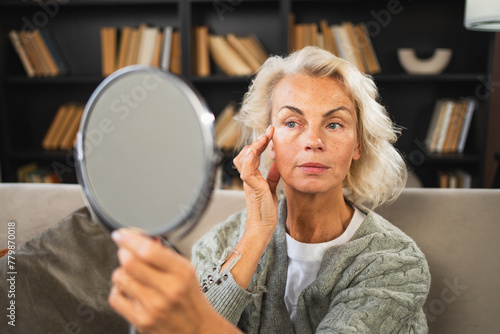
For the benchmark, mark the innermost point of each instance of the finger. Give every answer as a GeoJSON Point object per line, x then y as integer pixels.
{"type": "Point", "coordinates": [250, 173]}
{"type": "Point", "coordinates": [261, 143]}
{"type": "Point", "coordinates": [149, 250]}
{"type": "Point", "coordinates": [128, 285]}
{"type": "Point", "coordinates": [239, 157]}
{"type": "Point", "coordinates": [273, 177]}
{"type": "Point", "coordinates": [257, 146]}
{"type": "Point", "coordinates": [122, 304]}
{"type": "Point", "coordinates": [137, 269]}
{"type": "Point", "coordinates": [131, 309]}
{"type": "Point", "coordinates": [250, 160]}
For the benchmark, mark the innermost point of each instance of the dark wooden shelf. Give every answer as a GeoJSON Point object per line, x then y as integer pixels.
{"type": "Point", "coordinates": [452, 158]}
{"type": "Point", "coordinates": [40, 154]}
{"type": "Point", "coordinates": [221, 79]}
{"type": "Point", "coordinates": [71, 79]}
{"type": "Point", "coordinates": [28, 105]}
{"type": "Point", "coordinates": [20, 3]}
{"type": "Point", "coordinates": [445, 77]}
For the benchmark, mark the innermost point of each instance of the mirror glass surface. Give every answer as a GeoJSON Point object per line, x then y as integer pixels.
{"type": "Point", "coordinates": [145, 150]}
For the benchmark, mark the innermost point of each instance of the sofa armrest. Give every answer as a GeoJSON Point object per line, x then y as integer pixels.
{"type": "Point", "coordinates": [35, 207]}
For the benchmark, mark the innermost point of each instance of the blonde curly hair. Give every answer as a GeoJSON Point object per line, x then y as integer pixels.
{"type": "Point", "coordinates": [380, 174]}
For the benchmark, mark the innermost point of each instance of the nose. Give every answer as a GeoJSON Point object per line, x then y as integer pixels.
{"type": "Point", "coordinates": [313, 140]}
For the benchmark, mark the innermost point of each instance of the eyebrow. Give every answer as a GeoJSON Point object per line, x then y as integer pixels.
{"type": "Point", "coordinates": [325, 115]}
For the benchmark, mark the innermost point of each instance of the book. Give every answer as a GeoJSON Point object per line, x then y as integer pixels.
{"type": "Point", "coordinates": [291, 32]}
{"type": "Point", "coordinates": [449, 125]}
{"type": "Point", "coordinates": [464, 178]}
{"type": "Point", "coordinates": [346, 40]}
{"type": "Point", "coordinates": [166, 48]}
{"type": "Point", "coordinates": [228, 137]}
{"type": "Point", "coordinates": [451, 128]}
{"type": "Point", "coordinates": [356, 46]}
{"type": "Point", "coordinates": [108, 50]}
{"type": "Point", "coordinates": [69, 137]}
{"type": "Point", "coordinates": [54, 50]}
{"type": "Point", "coordinates": [64, 125]}
{"type": "Point", "coordinates": [34, 173]}
{"type": "Point", "coordinates": [464, 131]}
{"type": "Point", "coordinates": [33, 53]}
{"type": "Point", "coordinates": [48, 141]}
{"type": "Point", "coordinates": [256, 48]}
{"type": "Point", "coordinates": [147, 45]}
{"type": "Point", "coordinates": [124, 45]}
{"type": "Point", "coordinates": [227, 58]}
{"type": "Point", "coordinates": [341, 48]}
{"type": "Point", "coordinates": [312, 32]}
{"type": "Point", "coordinates": [369, 54]}
{"type": "Point", "coordinates": [442, 126]}
{"type": "Point", "coordinates": [47, 61]}
{"type": "Point", "coordinates": [22, 53]}
{"type": "Point", "coordinates": [133, 47]}
{"type": "Point", "coordinates": [224, 118]}
{"type": "Point", "coordinates": [62, 131]}
{"type": "Point", "coordinates": [297, 33]}
{"type": "Point", "coordinates": [329, 40]}
{"type": "Point", "coordinates": [155, 62]}
{"type": "Point", "coordinates": [24, 171]}
{"type": "Point", "coordinates": [320, 40]}
{"type": "Point", "coordinates": [458, 122]}
{"type": "Point", "coordinates": [201, 53]}
{"type": "Point", "coordinates": [429, 138]}
{"type": "Point", "coordinates": [226, 128]}
{"type": "Point", "coordinates": [175, 61]}
{"type": "Point", "coordinates": [244, 51]}
{"type": "Point", "coordinates": [454, 178]}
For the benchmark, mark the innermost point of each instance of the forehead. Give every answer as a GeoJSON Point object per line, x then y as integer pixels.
{"type": "Point", "coordinates": [305, 91]}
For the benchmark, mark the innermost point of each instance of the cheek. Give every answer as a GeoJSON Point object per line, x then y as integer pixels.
{"type": "Point", "coordinates": [283, 149]}
{"type": "Point", "coordinates": [282, 142]}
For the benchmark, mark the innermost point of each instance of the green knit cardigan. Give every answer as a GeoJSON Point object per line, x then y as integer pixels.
{"type": "Point", "coordinates": [375, 283]}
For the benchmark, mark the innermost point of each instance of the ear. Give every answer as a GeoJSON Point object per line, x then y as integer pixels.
{"type": "Point", "coordinates": [272, 151]}
{"type": "Point", "coordinates": [357, 151]}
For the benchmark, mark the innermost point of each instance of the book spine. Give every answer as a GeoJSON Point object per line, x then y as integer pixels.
{"type": "Point", "coordinates": [21, 52]}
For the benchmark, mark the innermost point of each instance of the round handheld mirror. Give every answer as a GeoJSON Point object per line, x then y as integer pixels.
{"type": "Point", "coordinates": [145, 153]}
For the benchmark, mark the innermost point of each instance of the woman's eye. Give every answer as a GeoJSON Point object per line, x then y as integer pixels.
{"type": "Point", "coordinates": [290, 124]}
{"type": "Point", "coordinates": [334, 126]}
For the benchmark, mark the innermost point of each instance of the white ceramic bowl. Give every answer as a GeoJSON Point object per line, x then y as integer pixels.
{"type": "Point", "coordinates": [428, 66]}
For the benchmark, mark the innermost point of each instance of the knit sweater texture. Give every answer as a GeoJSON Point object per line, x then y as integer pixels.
{"type": "Point", "coordinates": [375, 283]}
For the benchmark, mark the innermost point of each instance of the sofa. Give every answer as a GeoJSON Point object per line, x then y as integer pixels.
{"type": "Point", "coordinates": [457, 229]}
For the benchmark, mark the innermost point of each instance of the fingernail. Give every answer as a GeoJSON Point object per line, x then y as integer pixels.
{"type": "Point", "coordinates": [269, 129]}
{"type": "Point", "coordinates": [116, 235]}
{"type": "Point", "coordinates": [124, 234]}
{"type": "Point", "coordinates": [123, 255]}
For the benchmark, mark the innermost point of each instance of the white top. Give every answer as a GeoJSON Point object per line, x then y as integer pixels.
{"type": "Point", "coordinates": [304, 260]}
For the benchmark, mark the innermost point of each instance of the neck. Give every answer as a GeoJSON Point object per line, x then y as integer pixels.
{"type": "Point", "coordinates": [315, 218]}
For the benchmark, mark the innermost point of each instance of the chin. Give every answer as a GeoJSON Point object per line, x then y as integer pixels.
{"type": "Point", "coordinates": [310, 187]}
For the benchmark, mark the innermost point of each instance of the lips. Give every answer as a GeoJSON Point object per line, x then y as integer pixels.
{"type": "Point", "coordinates": [313, 168]}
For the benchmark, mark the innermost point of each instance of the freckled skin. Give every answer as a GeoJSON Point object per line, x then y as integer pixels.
{"type": "Point", "coordinates": [303, 134]}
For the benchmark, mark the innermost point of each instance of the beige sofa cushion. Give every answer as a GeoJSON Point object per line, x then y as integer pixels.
{"type": "Point", "coordinates": [458, 231]}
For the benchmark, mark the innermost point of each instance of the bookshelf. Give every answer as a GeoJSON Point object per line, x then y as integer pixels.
{"type": "Point", "coordinates": [28, 105]}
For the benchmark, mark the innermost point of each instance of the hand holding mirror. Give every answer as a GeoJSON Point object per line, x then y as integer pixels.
{"type": "Point", "coordinates": [145, 153]}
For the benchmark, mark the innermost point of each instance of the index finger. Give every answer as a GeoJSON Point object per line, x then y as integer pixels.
{"type": "Point", "coordinates": [148, 249]}
{"type": "Point", "coordinates": [260, 144]}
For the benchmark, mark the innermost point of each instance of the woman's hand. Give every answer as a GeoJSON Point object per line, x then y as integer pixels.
{"type": "Point", "coordinates": [262, 210]}
{"type": "Point", "coordinates": [157, 291]}
{"type": "Point", "coordinates": [260, 193]}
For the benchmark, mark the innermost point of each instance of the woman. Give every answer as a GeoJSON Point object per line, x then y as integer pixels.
{"type": "Point", "coordinates": [316, 261]}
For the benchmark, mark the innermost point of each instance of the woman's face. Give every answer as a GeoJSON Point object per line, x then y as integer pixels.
{"type": "Point", "coordinates": [315, 137]}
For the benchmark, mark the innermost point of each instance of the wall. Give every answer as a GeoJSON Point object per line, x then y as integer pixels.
{"type": "Point", "coordinates": [493, 143]}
